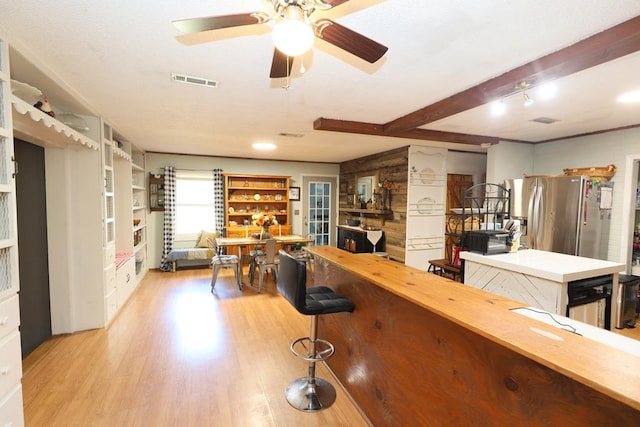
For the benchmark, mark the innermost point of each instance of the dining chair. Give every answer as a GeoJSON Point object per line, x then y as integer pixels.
{"type": "Point", "coordinates": [303, 254]}
{"type": "Point", "coordinates": [219, 261]}
{"type": "Point", "coordinates": [268, 261]}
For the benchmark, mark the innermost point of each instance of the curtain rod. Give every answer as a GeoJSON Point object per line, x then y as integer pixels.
{"type": "Point", "coordinates": [196, 170]}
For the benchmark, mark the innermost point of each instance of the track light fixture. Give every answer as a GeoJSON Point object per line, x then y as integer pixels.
{"type": "Point", "coordinates": [523, 86]}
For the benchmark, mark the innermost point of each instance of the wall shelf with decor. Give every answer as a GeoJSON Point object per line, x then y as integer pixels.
{"type": "Point", "coordinates": [246, 195]}
{"type": "Point", "coordinates": [156, 192]}
{"type": "Point", "coordinates": [378, 213]}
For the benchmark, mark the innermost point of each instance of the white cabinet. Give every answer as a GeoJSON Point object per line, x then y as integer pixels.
{"type": "Point", "coordinates": [10, 350]}
{"type": "Point", "coordinates": [89, 205]}
{"type": "Point", "coordinates": [130, 220]}
{"type": "Point", "coordinates": [139, 208]}
{"type": "Point", "coordinates": [125, 281]}
{"type": "Point", "coordinates": [426, 201]}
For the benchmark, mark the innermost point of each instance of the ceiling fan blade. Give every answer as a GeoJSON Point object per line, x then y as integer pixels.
{"type": "Point", "coordinates": [196, 25]}
{"type": "Point", "coordinates": [334, 3]}
{"type": "Point", "coordinates": [346, 39]}
{"type": "Point", "coordinates": [280, 65]}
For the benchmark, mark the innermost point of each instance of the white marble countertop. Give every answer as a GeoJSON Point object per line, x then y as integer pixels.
{"type": "Point", "coordinates": [547, 265]}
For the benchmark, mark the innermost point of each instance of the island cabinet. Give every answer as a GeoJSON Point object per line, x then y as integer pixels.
{"type": "Point", "coordinates": [420, 349]}
{"type": "Point", "coordinates": [354, 239]}
{"type": "Point", "coordinates": [547, 280]}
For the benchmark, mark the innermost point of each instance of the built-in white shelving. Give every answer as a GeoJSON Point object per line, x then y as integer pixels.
{"type": "Point", "coordinates": [11, 412]}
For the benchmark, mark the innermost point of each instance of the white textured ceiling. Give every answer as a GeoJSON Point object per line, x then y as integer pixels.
{"type": "Point", "coordinates": [119, 56]}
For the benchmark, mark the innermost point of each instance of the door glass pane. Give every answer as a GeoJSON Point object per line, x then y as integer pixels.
{"type": "Point", "coordinates": [319, 211]}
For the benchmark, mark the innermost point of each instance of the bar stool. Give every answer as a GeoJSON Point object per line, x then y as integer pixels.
{"type": "Point", "coordinates": [309, 394]}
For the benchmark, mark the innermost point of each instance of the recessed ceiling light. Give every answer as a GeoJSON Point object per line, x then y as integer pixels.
{"type": "Point", "coordinates": [498, 108]}
{"type": "Point", "coordinates": [264, 146]}
{"type": "Point", "coordinates": [629, 97]}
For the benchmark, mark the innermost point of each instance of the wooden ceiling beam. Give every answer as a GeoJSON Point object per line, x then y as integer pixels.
{"type": "Point", "coordinates": [421, 134]}
{"type": "Point", "coordinates": [617, 41]}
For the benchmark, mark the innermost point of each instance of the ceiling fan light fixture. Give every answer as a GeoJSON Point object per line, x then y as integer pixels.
{"type": "Point", "coordinates": [293, 35]}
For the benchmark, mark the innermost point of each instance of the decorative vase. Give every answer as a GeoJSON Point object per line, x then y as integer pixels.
{"type": "Point", "coordinates": [386, 198]}
{"type": "Point", "coordinates": [264, 233]}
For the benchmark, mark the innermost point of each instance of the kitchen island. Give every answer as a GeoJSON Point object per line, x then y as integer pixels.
{"type": "Point", "coordinates": [420, 349]}
{"type": "Point", "coordinates": [541, 279]}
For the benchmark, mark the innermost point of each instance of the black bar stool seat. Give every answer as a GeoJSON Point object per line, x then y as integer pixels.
{"type": "Point", "coordinates": [309, 394]}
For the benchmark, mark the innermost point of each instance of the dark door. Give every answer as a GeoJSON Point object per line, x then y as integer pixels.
{"type": "Point", "coordinates": [35, 309]}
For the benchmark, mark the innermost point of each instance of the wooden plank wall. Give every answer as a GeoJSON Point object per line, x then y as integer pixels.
{"type": "Point", "coordinates": [393, 165]}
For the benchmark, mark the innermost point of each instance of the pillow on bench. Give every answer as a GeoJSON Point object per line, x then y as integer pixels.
{"type": "Point", "coordinates": [202, 240]}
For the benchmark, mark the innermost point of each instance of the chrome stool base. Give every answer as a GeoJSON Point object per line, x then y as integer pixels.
{"type": "Point", "coordinates": [310, 395]}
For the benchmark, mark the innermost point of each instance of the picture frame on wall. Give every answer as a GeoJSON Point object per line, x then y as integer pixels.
{"type": "Point", "coordinates": [294, 193]}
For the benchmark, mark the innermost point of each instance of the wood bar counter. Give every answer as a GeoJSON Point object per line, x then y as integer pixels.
{"type": "Point", "coordinates": [420, 349]}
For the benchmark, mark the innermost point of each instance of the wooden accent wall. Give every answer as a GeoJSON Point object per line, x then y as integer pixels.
{"type": "Point", "coordinates": [393, 165]}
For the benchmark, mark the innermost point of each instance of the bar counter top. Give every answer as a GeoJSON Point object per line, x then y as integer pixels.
{"type": "Point", "coordinates": [600, 367]}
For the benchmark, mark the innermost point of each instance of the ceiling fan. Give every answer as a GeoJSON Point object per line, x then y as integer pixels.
{"type": "Point", "coordinates": [293, 32]}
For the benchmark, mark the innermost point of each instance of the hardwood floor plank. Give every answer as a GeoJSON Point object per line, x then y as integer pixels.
{"type": "Point", "coordinates": [178, 355]}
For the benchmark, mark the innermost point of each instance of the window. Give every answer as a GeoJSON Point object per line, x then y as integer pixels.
{"type": "Point", "coordinates": [194, 204]}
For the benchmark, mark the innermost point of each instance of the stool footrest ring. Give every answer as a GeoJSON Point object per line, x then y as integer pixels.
{"type": "Point", "coordinates": [324, 349]}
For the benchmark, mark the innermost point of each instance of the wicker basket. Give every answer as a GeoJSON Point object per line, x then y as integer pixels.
{"type": "Point", "coordinates": [454, 224]}
{"type": "Point", "coordinates": [603, 172]}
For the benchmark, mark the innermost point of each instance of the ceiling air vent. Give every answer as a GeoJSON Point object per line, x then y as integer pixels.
{"type": "Point", "coordinates": [291, 134]}
{"type": "Point", "coordinates": [545, 120]}
{"type": "Point", "coordinates": [198, 81]}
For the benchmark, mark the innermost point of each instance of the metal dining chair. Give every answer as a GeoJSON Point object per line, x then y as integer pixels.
{"type": "Point", "coordinates": [219, 261]}
{"type": "Point", "coordinates": [303, 254]}
{"type": "Point", "coordinates": [264, 263]}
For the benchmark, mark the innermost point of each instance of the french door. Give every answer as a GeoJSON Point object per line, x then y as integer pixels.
{"type": "Point", "coordinates": [318, 206]}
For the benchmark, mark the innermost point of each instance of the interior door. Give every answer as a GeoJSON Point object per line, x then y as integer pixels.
{"type": "Point", "coordinates": [318, 204]}
{"type": "Point", "coordinates": [35, 309]}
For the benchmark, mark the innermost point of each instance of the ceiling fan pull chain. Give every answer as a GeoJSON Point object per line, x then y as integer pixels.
{"type": "Point", "coordinates": [288, 86]}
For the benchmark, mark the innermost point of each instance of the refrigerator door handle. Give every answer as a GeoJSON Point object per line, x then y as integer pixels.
{"type": "Point", "coordinates": [531, 229]}
{"type": "Point", "coordinates": [539, 215]}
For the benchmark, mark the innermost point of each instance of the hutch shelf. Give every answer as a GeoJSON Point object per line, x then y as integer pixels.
{"type": "Point", "coordinates": [247, 195]}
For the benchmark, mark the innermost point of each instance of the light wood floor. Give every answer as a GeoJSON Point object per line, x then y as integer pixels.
{"type": "Point", "coordinates": [176, 355]}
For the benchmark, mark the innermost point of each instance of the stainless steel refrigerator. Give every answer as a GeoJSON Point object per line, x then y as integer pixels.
{"type": "Point", "coordinates": [564, 214]}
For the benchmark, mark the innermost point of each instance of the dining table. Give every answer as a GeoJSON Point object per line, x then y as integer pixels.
{"type": "Point", "coordinates": [242, 242]}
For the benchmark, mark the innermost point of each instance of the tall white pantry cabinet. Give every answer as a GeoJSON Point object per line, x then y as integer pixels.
{"type": "Point", "coordinates": [11, 412]}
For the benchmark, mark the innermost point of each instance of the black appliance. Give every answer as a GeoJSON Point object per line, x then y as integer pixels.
{"type": "Point", "coordinates": [586, 291]}
{"type": "Point", "coordinates": [627, 301]}
{"type": "Point", "coordinates": [487, 242]}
